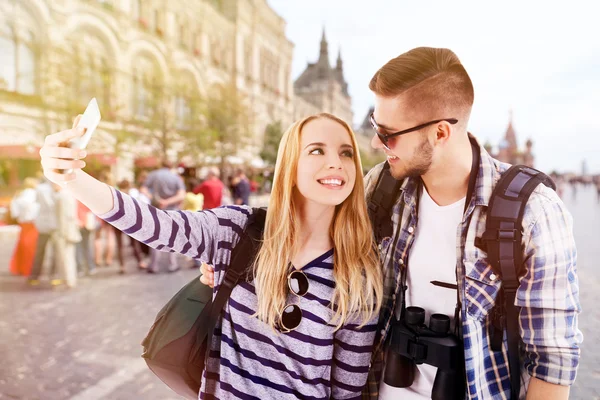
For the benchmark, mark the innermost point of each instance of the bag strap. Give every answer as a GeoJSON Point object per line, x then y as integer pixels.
{"type": "Point", "coordinates": [242, 256]}
{"type": "Point", "coordinates": [381, 202]}
{"type": "Point", "coordinates": [502, 242]}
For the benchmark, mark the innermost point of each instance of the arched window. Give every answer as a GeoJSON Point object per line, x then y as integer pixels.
{"type": "Point", "coordinates": [8, 49]}
{"type": "Point", "coordinates": [146, 89]}
{"type": "Point", "coordinates": [18, 69]}
{"type": "Point", "coordinates": [93, 76]}
{"type": "Point", "coordinates": [26, 64]}
{"type": "Point", "coordinates": [186, 100]}
{"type": "Point", "coordinates": [136, 8]}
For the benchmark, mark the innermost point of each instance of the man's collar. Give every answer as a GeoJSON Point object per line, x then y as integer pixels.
{"type": "Point", "coordinates": [488, 175]}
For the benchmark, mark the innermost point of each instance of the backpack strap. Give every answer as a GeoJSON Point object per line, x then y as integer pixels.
{"type": "Point", "coordinates": [242, 256]}
{"type": "Point", "coordinates": [381, 202]}
{"type": "Point", "coordinates": [502, 242]}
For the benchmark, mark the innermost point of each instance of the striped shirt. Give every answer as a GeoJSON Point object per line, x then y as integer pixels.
{"type": "Point", "coordinates": [548, 295]}
{"type": "Point", "coordinates": [248, 360]}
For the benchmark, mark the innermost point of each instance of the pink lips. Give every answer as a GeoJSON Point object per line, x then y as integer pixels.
{"type": "Point", "coordinates": [332, 187]}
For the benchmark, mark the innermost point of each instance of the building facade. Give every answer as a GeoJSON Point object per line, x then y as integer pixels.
{"type": "Point", "coordinates": [57, 54]}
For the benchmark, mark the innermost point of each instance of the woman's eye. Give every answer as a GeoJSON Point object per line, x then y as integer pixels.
{"type": "Point", "coordinates": [316, 151]}
{"type": "Point", "coordinates": [348, 153]}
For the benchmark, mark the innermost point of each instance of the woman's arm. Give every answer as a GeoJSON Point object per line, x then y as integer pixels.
{"type": "Point", "coordinates": [352, 349]}
{"type": "Point", "coordinates": [195, 234]}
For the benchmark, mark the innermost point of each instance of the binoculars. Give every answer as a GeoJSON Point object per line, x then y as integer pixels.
{"type": "Point", "coordinates": [413, 342]}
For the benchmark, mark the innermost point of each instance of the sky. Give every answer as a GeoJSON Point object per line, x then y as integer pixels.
{"type": "Point", "coordinates": [540, 59]}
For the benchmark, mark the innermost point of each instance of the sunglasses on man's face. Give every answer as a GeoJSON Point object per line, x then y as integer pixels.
{"type": "Point", "coordinates": [389, 140]}
{"type": "Point", "coordinates": [291, 315]}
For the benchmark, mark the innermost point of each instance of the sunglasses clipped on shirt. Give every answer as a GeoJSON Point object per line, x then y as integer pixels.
{"type": "Point", "coordinates": [291, 315]}
{"type": "Point", "coordinates": [389, 140]}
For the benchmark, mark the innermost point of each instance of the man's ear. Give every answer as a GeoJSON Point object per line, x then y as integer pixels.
{"type": "Point", "coordinates": [443, 132]}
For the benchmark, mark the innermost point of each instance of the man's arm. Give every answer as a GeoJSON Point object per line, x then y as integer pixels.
{"type": "Point", "coordinates": [541, 390]}
{"type": "Point", "coordinates": [548, 296]}
{"type": "Point", "coordinates": [178, 198]}
{"type": "Point", "coordinates": [149, 182]}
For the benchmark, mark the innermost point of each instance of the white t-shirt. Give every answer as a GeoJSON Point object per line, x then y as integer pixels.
{"type": "Point", "coordinates": [432, 258]}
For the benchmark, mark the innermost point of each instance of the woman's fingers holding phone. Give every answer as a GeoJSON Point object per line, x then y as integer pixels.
{"type": "Point", "coordinates": [59, 162]}
{"type": "Point", "coordinates": [62, 137]}
{"type": "Point", "coordinates": [61, 152]}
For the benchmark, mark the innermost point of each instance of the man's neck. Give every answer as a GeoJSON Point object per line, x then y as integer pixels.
{"type": "Point", "coordinates": [449, 181]}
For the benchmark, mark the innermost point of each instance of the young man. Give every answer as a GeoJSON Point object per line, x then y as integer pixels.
{"type": "Point", "coordinates": [435, 225]}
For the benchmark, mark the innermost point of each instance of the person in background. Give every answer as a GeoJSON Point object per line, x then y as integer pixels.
{"type": "Point", "coordinates": [241, 192]}
{"type": "Point", "coordinates": [166, 191]}
{"type": "Point", "coordinates": [46, 224]}
{"type": "Point", "coordinates": [192, 201]}
{"type": "Point", "coordinates": [88, 223]}
{"type": "Point", "coordinates": [212, 189]}
{"type": "Point", "coordinates": [66, 236]}
{"type": "Point", "coordinates": [104, 240]}
{"type": "Point", "coordinates": [24, 208]}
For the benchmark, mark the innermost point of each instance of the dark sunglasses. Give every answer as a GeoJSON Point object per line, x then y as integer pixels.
{"type": "Point", "coordinates": [291, 315]}
{"type": "Point", "coordinates": [389, 140]}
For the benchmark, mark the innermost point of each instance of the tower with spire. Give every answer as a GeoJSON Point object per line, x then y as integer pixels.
{"type": "Point", "coordinates": [322, 88]}
{"type": "Point", "coordinates": [508, 148]}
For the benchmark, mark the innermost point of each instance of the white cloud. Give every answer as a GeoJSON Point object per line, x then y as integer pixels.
{"type": "Point", "coordinates": [540, 58]}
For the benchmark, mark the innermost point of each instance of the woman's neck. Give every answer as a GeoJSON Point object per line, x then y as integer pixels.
{"type": "Point", "coordinates": [315, 221]}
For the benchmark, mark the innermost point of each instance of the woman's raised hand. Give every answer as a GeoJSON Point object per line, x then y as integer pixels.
{"type": "Point", "coordinates": [56, 155]}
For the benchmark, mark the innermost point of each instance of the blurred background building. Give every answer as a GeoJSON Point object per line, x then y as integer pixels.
{"type": "Point", "coordinates": [323, 88]}
{"type": "Point", "coordinates": [195, 81]}
{"type": "Point", "coordinates": [508, 149]}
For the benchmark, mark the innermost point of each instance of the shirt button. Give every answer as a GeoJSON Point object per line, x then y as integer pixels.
{"type": "Point", "coordinates": [493, 277]}
{"type": "Point", "coordinates": [401, 261]}
{"type": "Point", "coordinates": [382, 332]}
{"type": "Point", "coordinates": [411, 229]}
{"type": "Point", "coordinates": [394, 296]}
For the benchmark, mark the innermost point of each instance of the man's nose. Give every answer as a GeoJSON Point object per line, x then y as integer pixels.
{"type": "Point", "coordinates": [376, 142]}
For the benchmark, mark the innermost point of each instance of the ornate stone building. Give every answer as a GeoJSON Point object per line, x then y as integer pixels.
{"type": "Point", "coordinates": [508, 149]}
{"type": "Point", "coordinates": [119, 51]}
{"type": "Point", "coordinates": [322, 88]}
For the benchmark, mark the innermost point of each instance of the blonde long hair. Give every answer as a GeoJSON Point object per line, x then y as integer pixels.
{"type": "Point", "coordinates": [359, 284]}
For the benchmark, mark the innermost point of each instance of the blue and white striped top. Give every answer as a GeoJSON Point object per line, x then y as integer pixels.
{"type": "Point", "coordinates": [248, 360]}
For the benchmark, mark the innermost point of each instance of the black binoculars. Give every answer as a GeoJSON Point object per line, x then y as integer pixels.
{"type": "Point", "coordinates": [412, 342]}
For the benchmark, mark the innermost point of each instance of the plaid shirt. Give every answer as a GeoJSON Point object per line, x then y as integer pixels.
{"type": "Point", "coordinates": [548, 295]}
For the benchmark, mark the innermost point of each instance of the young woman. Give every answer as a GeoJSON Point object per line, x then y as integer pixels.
{"type": "Point", "coordinates": [304, 327]}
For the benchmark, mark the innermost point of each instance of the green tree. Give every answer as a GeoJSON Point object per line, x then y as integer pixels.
{"type": "Point", "coordinates": [273, 133]}
{"type": "Point", "coordinates": [226, 124]}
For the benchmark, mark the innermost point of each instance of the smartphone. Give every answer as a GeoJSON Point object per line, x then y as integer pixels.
{"type": "Point", "coordinates": [89, 121]}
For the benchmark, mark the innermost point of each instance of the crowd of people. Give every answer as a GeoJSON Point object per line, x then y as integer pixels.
{"type": "Point", "coordinates": [62, 234]}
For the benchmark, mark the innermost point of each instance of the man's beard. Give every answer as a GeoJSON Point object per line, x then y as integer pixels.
{"type": "Point", "coordinates": [420, 163]}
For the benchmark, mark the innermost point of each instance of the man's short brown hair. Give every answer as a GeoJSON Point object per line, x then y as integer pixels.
{"type": "Point", "coordinates": [434, 81]}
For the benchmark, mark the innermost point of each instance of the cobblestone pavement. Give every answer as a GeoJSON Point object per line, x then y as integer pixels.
{"type": "Point", "coordinates": [84, 343]}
